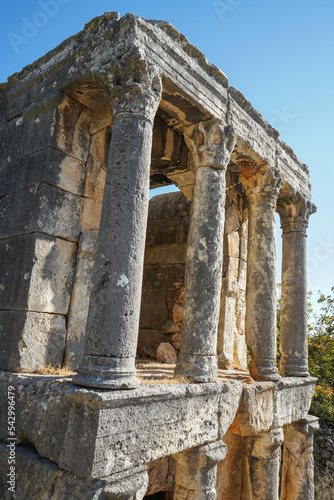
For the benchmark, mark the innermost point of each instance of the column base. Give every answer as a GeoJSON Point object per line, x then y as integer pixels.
{"type": "Point", "coordinates": [294, 367]}
{"type": "Point", "coordinates": [264, 369]}
{"type": "Point", "coordinates": [199, 368]}
{"type": "Point", "coordinates": [107, 373]}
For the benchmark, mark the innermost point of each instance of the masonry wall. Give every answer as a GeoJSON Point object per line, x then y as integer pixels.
{"type": "Point", "coordinates": [52, 171]}
{"type": "Point", "coordinates": [163, 282]}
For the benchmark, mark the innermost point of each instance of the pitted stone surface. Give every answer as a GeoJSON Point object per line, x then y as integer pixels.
{"type": "Point", "coordinates": [57, 117]}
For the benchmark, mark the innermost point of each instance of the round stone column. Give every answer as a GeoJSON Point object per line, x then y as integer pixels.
{"type": "Point", "coordinates": [196, 471]}
{"type": "Point", "coordinates": [298, 464]}
{"type": "Point", "coordinates": [262, 185]}
{"type": "Point", "coordinates": [113, 317]}
{"type": "Point", "coordinates": [262, 463]}
{"type": "Point", "coordinates": [294, 213]}
{"type": "Point", "coordinates": [210, 147]}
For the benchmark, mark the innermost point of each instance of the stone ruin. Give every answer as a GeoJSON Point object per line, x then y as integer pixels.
{"type": "Point", "coordinates": [124, 106]}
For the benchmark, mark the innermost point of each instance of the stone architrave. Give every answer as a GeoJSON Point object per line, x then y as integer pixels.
{"type": "Point", "coordinates": [262, 185]}
{"type": "Point", "coordinates": [113, 317]}
{"type": "Point", "coordinates": [262, 465]}
{"type": "Point", "coordinates": [196, 471]}
{"type": "Point", "coordinates": [298, 465]}
{"type": "Point", "coordinates": [210, 147]}
{"type": "Point", "coordinates": [294, 212]}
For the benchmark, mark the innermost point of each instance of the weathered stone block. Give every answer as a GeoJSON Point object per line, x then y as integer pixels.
{"type": "Point", "coordinates": [91, 215]}
{"type": "Point", "coordinates": [41, 208]}
{"type": "Point", "coordinates": [78, 312]}
{"type": "Point", "coordinates": [166, 206]}
{"type": "Point", "coordinates": [232, 219]}
{"type": "Point", "coordinates": [148, 341]}
{"type": "Point", "coordinates": [90, 433]}
{"type": "Point", "coordinates": [268, 405]}
{"type": "Point", "coordinates": [162, 277]}
{"type": "Point", "coordinates": [232, 244]}
{"type": "Point", "coordinates": [258, 137]}
{"type": "Point", "coordinates": [184, 229]}
{"type": "Point", "coordinates": [59, 122]}
{"type": "Point", "coordinates": [176, 417]}
{"type": "Point", "coordinates": [95, 180]}
{"type": "Point", "coordinates": [168, 254]}
{"type": "Point", "coordinates": [161, 474]}
{"type": "Point", "coordinates": [292, 399]}
{"type": "Point", "coordinates": [38, 270]}
{"type": "Point", "coordinates": [31, 340]}
{"type": "Point", "coordinates": [163, 231]}
{"type": "Point", "coordinates": [37, 477]}
{"type": "Point", "coordinates": [154, 312]}
{"type": "Point", "coordinates": [49, 165]}
{"type": "Point", "coordinates": [99, 145]}
{"type": "Point", "coordinates": [166, 353]}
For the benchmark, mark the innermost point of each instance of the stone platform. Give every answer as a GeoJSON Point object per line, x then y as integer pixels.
{"type": "Point", "coordinates": [79, 440]}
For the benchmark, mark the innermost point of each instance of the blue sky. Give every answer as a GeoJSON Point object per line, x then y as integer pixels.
{"type": "Point", "coordinates": [279, 53]}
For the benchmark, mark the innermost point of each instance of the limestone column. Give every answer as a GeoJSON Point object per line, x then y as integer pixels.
{"type": "Point", "coordinates": [210, 147]}
{"type": "Point", "coordinates": [113, 317]}
{"type": "Point", "coordinates": [196, 471]}
{"type": "Point", "coordinates": [261, 184]}
{"type": "Point", "coordinates": [262, 465]}
{"type": "Point", "coordinates": [298, 465]}
{"type": "Point", "coordinates": [294, 213]}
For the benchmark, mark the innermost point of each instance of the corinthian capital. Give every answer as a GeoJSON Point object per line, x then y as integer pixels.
{"type": "Point", "coordinates": [295, 212]}
{"type": "Point", "coordinates": [134, 86]}
{"type": "Point", "coordinates": [210, 144]}
{"type": "Point", "coordinates": [260, 181]}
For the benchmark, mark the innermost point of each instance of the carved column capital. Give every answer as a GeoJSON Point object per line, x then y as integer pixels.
{"type": "Point", "coordinates": [129, 485]}
{"type": "Point", "coordinates": [210, 144]}
{"type": "Point", "coordinates": [294, 212]}
{"type": "Point", "coordinates": [196, 471]}
{"type": "Point", "coordinates": [301, 431]}
{"type": "Point", "coordinates": [134, 86]}
{"type": "Point", "coordinates": [260, 182]}
{"type": "Point", "coordinates": [266, 444]}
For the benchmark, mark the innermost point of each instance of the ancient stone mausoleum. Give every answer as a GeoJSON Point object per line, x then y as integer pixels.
{"type": "Point", "coordinates": [88, 267]}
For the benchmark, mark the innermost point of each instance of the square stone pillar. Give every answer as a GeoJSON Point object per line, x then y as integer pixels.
{"type": "Point", "coordinates": [261, 184]}
{"type": "Point", "coordinates": [196, 471]}
{"type": "Point", "coordinates": [298, 464]}
{"type": "Point", "coordinates": [262, 465]}
{"type": "Point", "coordinates": [210, 146]}
{"type": "Point", "coordinates": [294, 213]}
{"type": "Point", "coordinates": [113, 317]}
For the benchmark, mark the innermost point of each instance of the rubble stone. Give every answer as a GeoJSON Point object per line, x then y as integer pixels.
{"type": "Point", "coordinates": [166, 353]}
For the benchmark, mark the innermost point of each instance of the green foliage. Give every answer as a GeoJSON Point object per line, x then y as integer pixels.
{"type": "Point", "coordinates": [321, 354]}
{"type": "Point", "coordinates": [321, 359]}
